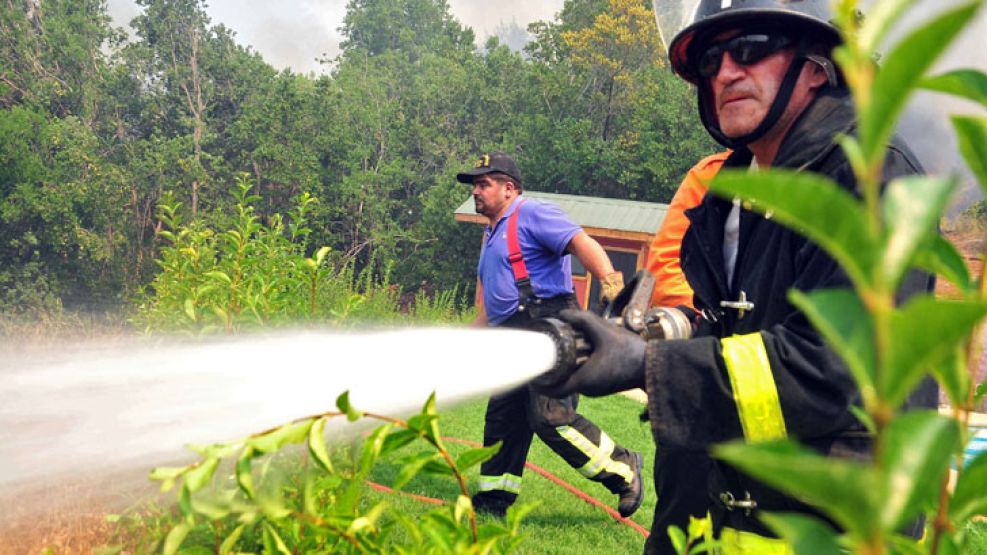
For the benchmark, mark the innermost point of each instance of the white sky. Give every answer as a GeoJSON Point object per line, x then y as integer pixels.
{"type": "Point", "coordinates": [293, 33]}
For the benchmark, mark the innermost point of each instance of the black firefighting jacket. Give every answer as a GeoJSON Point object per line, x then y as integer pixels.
{"type": "Point", "coordinates": [691, 390]}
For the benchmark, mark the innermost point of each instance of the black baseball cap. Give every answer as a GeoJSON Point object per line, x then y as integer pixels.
{"type": "Point", "coordinates": [494, 162]}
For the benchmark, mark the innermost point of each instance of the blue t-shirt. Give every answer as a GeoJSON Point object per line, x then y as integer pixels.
{"type": "Point", "coordinates": [544, 232]}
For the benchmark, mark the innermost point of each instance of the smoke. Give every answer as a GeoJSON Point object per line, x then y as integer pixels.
{"type": "Point", "coordinates": [294, 33]}
{"type": "Point", "coordinates": [925, 125]}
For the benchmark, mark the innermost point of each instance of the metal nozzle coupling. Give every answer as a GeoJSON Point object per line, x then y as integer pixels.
{"type": "Point", "coordinates": [571, 349]}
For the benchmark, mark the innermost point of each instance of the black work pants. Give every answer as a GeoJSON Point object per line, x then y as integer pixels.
{"type": "Point", "coordinates": [516, 416]}
{"type": "Point", "coordinates": [681, 479]}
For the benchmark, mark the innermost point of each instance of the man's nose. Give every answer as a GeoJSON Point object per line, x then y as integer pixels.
{"type": "Point", "coordinates": [729, 69]}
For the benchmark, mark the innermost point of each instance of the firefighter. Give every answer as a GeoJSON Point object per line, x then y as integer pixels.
{"type": "Point", "coordinates": [525, 273]}
{"type": "Point", "coordinates": [756, 369]}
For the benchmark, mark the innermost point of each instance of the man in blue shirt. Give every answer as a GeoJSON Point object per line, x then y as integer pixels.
{"type": "Point", "coordinates": [511, 297]}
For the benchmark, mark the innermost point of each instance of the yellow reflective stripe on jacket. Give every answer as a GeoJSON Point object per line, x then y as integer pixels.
{"type": "Point", "coordinates": [505, 482]}
{"type": "Point", "coordinates": [738, 542]}
{"type": "Point", "coordinates": [600, 457]}
{"type": "Point", "coordinates": [754, 388]}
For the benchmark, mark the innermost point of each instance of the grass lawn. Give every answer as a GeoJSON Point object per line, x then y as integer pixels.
{"type": "Point", "coordinates": [562, 523]}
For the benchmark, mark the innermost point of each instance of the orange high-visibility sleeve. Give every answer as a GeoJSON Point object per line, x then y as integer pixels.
{"type": "Point", "coordinates": [671, 288]}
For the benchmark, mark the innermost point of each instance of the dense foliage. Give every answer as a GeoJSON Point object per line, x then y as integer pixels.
{"type": "Point", "coordinates": [97, 127]}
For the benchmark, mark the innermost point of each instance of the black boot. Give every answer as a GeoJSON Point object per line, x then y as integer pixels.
{"type": "Point", "coordinates": [633, 493]}
{"type": "Point", "coordinates": [484, 504]}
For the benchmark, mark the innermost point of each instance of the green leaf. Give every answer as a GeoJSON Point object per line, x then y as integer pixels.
{"type": "Point", "coordinates": [360, 524]}
{"type": "Point", "coordinates": [917, 449]}
{"type": "Point", "coordinates": [343, 403]}
{"type": "Point", "coordinates": [923, 333]}
{"type": "Point", "coordinates": [700, 528]}
{"type": "Point", "coordinates": [175, 538]}
{"type": "Point", "coordinates": [911, 207]}
{"type": "Point", "coordinates": [190, 309]}
{"type": "Point", "coordinates": [317, 445]}
{"type": "Point", "coordinates": [411, 466]}
{"type": "Point", "coordinates": [185, 503]}
{"type": "Point", "coordinates": [219, 276]}
{"type": "Point", "coordinates": [846, 326]}
{"type": "Point", "coordinates": [271, 502]}
{"type": "Point", "coordinates": [948, 546]}
{"type": "Point", "coordinates": [397, 440]}
{"type": "Point", "coordinates": [967, 83]}
{"type": "Point", "coordinates": [845, 490]}
{"type": "Point", "coordinates": [804, 533]}
{"type": "Point", "coordinates": [880, 19]}
{"type": "Point", "coordinates": [293, 432]}
{"type": "Point", "coordinates": [865, 418]}
{"type": "Point", "coordinates": [473, 457]}
{"type": "Point", "coordinates": [320, 255]}
{"type": "Point", "coordinates": [678, 539]}
{"type": "Point", "coordinates": [200, 475]}
{"type": "Point", "coordinates": [167, 475]}
{"type": "Point", "coordinates": [212, 509]}
{"type": "Point", "coordinates": [438, 467]}
{"type": "Point", "coordinates": [900, 73]}
{"type": "Point", "coordinates": [953, 376]}
{"type": "Point", "coordinates": [220, 313]}
{"type": "Point", "coordinates": [310, 495]}
{"type": "Point", "coordinates": [462, 507]}
{"type": "Point", "coordinates": [273, 542]}
{"type": "Point", "coordinates": [940, 257]}
{"type": "Point", "coordinates": [372, 447]}
{"type": "Point", "coordinates": [431, 430]}
{"type": "Point", "coordinates": [229, 543]}
{"type": "Point", "coordinates": [968, 497]}
{"type": "Point", "coordinates": [981, 392]}
{"type": "Point", "coordinates": [218, 450]}
{"type": "Point", "coordinates": [971, 134]}
{"type": "Point", "coordinates": [244, 471]}
{"type": "Point", "coordinates": [812, 205]}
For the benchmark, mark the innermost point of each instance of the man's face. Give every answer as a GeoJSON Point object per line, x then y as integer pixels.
{"type": "Point", "coordinates": [490, 196]}
{"type": "Point", "coordinates": [743, 94]}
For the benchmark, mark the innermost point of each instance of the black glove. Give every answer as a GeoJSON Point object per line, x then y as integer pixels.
{"type": "Point", "coordinates": [616, 364]}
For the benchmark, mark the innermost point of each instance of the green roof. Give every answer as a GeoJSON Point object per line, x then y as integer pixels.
{"type": "Point", "coordinates": [598, 212]}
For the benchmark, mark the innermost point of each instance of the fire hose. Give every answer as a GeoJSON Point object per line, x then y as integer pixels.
{"type": "Point", "coordinates": [629, 309]}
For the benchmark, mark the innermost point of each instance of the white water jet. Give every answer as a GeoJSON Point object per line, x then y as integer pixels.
{"type": "Point", "coordinates": [88, 410]}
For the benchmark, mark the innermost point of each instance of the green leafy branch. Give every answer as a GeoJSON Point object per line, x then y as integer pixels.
{"type": "Point", "coordinates": [329, 511]}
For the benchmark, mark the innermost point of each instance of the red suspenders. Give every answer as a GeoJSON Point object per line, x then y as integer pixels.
{"type": "Point", "coordinates": [516, 259]}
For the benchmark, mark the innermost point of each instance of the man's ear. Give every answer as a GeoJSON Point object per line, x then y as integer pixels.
{"type": "Point", "coordinates": [823, 71]}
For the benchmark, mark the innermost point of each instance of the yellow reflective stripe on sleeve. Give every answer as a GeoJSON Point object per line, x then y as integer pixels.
{"type": "Point", "coordinates": [505, 482]}
{"type": "Point", "coordinates": [600, 457]}
{"type": "Point", "coordinates": [738, 542]}
{"type": "Point", "coordinates": [754, 388]}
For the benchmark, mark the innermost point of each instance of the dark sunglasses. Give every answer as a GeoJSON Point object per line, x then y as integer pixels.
{"type": "Point", "coordinates": [744, 50]}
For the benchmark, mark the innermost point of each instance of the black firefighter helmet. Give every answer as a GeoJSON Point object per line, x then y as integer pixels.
{"type": "Point", "coordinates": [808, 22]}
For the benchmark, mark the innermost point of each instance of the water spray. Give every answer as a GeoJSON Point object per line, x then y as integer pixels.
{"type": "Point", "coordinates": [90, 410]}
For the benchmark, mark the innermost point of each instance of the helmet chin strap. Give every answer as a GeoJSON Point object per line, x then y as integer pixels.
{"type": "Point", "coordinates": [707, 113]}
